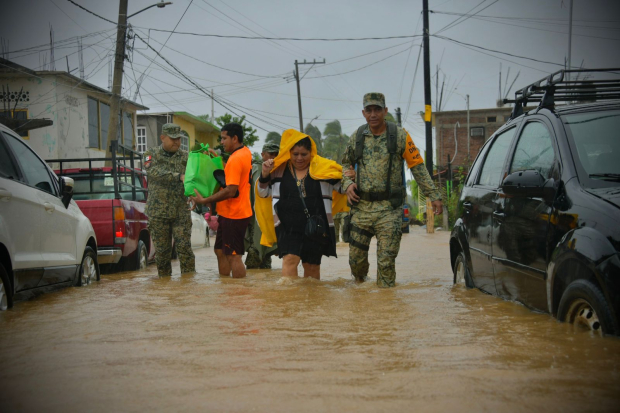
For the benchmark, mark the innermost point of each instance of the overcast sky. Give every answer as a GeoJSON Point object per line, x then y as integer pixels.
{"type": "Point", "coordinates": [533, 31]}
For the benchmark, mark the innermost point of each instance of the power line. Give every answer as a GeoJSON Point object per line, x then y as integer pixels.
{"type": "Point", "coordinates": [93, 13]}
{"type": "Point", "coordinates": [283, 38]}
{"type": "Point", "coordinates": [454, 23]}
{"type": "Point", "coordinates": [496, 51]}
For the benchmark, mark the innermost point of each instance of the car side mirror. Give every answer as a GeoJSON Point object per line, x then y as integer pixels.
{"type": "Point", "coordinates": [528, 183]}
{"type": "Point", "coordinates": [66, 190]}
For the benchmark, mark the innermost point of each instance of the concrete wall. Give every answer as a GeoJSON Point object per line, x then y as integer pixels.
{"type": "Point", "coordinates": [66, 104]}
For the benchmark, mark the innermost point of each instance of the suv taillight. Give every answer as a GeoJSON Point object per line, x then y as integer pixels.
{"type": "Point", "coordinates": [120, 231]}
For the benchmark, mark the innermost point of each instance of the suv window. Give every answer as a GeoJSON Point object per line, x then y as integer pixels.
{"type": "Point", "coordinates": [534, 150]}
{"type": "Point", "coordinates": [35, 171]}
{"type": "Point", "coordinates": [7, 168]}
{"type": "Point", "coordinates": [595, 135]}
{"type": "Point", "coordinates": [491, 174]}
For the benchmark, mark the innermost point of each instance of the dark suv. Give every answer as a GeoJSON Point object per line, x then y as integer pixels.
{"type": "Point", "coordinates": [539, 215]}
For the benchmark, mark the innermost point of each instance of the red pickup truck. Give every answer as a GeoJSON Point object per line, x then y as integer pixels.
{"type": "Point", "coordinates": [114, 199]}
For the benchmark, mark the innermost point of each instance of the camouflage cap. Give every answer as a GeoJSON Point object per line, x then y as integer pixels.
{"type": "Point", "coordinates": [374, 98]}
{"type": "Point", "coordinates": [172, 130]}
{"type": "Point", "coordinates": [271, 147]}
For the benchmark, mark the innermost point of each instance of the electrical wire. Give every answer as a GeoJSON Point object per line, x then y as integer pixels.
{"type": "Point", "coordinates": [93, 13]}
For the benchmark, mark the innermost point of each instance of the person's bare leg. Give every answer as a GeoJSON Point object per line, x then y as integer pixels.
{"type": "Point", "coordinates": [289, 265]}
{"type": "Point", "coordinates": [312, 270]}
{"type": "Point", "coordinates": [235, 263]}
{"type": "Point", "coordinates": [222, 263]}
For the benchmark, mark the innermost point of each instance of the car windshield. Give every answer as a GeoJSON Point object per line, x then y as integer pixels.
{"type": "Point", "coordinates": [103, 187]}
{"type": "Point", "coordinates": [597, 139]}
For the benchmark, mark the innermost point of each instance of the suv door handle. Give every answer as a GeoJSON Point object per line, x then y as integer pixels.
{"type": "Point", "coordinates": [49, 207]}
{"type": "Point", "coordinates": [5, 195]}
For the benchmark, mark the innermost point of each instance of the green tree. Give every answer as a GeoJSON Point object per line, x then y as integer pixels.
{"type": "Point", "coordinates": [273, 137]}
{"type": "Point", "coordinates": [256, 158]}
{"type": "Point", "coordinates": [335, 142]}
{"type": "Point", "coordinates": [390, 118]}
{"type": "Point", "coordinates": [315, 134]}
{"type": "Point", "coordinates": [249, 133]}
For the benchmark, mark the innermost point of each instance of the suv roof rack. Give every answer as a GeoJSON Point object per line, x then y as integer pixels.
{"type": "Point", "coordinates": [555, 88]}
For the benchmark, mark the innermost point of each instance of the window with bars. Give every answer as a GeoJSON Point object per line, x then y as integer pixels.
{"type": "Point", "coordinates": [98, 120]}
{"type": "Point", "coordinates": [185, 143]}
{"type": "Point", "coordinates": [141, 139]}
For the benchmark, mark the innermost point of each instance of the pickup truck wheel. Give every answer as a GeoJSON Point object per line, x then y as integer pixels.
{"type": "Point", "coordinates": [6, 293]}
{"type": "Point", "coordinates": [89, 270]}
{"type": "Point", "coordinates": [584, 306]}
{"type": "Point", "coordinates": [142, 256]}
{"type": "Point", "coordinates": [461, 271]}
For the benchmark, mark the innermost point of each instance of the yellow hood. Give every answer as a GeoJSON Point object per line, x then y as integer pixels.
{"type": "Point", "coordinates": [320, 169]}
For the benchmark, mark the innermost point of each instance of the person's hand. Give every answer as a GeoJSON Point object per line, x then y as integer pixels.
{"type": "Point", "coordinates": [194, 200]}
{"type": "Point", "coordinates": [267, 167]}
{"type": "Point", "coordinates": [351, 195]}
{"type": "Point", "coordinates": [212, 152]}
{"type": "Point", "coordinates": [182, 178]}
{"type": "Point", "coordinates": [350, 173]}
{"type": "Point", "coordinates": [437, 207]}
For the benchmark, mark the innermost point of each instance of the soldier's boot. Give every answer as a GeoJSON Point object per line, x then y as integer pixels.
{"type": "Point", "coordinates": [252, 261]}
{"type": "Point", "coordinates": [266, 264]}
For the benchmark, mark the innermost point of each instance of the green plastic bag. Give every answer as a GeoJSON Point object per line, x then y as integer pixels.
{"type": "Point", "coordinates": [199, 172]}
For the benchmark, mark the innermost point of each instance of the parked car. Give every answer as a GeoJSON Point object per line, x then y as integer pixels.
{"type": "Point", "coordinates": [406, 209]}
{"type": "Point", "coordinates": [116, 212]}
{"type": "Point", "coordinates": [45, 240]}
{"type": "Point", "coordinates": [539, 214]}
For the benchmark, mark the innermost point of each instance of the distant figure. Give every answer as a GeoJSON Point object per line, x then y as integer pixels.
{"type": "Point", "coordinates": [233, 203]}
{"type": "Point", "coordinates": [295, 186]}
{"type": "Point", "coordinates": [259, 256]}
{"type": "Point", "coordinates": [378, 148]}
{"type": "Point", "coordinates": [166, 204]}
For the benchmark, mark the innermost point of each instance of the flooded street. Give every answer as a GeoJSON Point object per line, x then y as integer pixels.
{"type": "Point", "coordinates": [135, 342]}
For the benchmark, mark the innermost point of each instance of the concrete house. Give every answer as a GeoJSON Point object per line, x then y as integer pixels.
{"type": "Point", "coordinates": [79, 110]}
{"type": "Point", "coordinates": [199, 130]}
{"type": "Point", "coordinates": [463, 151]}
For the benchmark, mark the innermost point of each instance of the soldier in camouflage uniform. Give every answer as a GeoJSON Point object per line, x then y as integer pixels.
{"type": "Point", "coordinates": [259, 256]}
{"type": "Point", "coordinates": [166, 206]}
{"type": "Point", "coordinates": [376, 198]}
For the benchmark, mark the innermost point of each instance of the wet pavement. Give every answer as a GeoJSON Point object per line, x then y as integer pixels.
{"type": "Point", "coordinates": [135, 342]}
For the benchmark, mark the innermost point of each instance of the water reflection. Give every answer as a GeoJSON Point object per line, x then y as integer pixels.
{"type": "Point", "coordinates": [203, 342]}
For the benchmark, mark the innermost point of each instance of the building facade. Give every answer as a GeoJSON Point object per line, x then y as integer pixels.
{"type": "Point", "coordinates": [199, 130]}
{"type": "Point", "coordinates": [80, 112]}
{"type": "Point", "coordinates": [454, 141]}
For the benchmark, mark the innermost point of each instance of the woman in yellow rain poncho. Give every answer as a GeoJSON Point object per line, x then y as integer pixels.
{"type": "Point", "coordinates": [279, 208]}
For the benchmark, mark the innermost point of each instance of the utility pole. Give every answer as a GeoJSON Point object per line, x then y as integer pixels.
{"type": "Point", "coordinates": [468, 131]}
{"type": "Point", "coordinates": [212, 109]}
{"type": "Point", "coordinates": [313, 62]}
{"type": "Point", "coordinates": [570, 35]}
{"type": "Point", "coordinates": [398, 117]}
{"type": "Point", "coordinates": [119, 58]}
{"type": "Point", "coordinates": [427, 92]}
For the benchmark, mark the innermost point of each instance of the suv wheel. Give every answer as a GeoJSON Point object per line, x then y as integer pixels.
{"type": "Point", "coordinates": [461, 271]}
{"type": "Point", "coordinates": [6, 293]}
{"type": "Point", "coordinates": [89, 270]}
{"type": "Point", "coordinates": [584, 306]}
{"type": "Point", "coordinates": [142, 256]}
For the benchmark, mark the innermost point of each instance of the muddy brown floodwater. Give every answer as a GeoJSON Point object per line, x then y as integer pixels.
{"type": "Point", "coordinates": [134, 342]}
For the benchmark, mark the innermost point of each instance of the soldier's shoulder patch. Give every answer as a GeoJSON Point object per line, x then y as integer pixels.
{"type": "Point", "coordinates": [147, 161]}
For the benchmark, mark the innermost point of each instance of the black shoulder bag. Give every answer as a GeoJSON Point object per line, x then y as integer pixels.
{"type": "Point", "coordinates": [315, 228]}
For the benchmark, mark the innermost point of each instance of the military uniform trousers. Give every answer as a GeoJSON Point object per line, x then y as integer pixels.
{"type": "Point", "coordinates": [386, 226]}
{"type": "Point", "coordinates": [162, 231]}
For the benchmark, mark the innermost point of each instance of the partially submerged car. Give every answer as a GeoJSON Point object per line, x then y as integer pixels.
{"type": "Point", "coordinates": [539, 214]}
{"type": "Point", "coordinates": [45, 240]}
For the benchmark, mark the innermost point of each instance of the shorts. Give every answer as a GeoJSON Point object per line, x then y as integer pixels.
{"type": "Point", "coordinates": [291, 242]}
{"type": "Point", "coordinates": [231, 235]}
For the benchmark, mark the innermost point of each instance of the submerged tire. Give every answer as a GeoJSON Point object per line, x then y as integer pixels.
{"type": "Point", "coordinates": [89, 269]}
{"type": "Point", "coordinates": [461, 271]}
{"type": "Point", "coordinates": [6, 292]}
{"type": "Point", "coordinates": [584, 306]}
{"type": "Point", "coordinates": [142, 256]}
